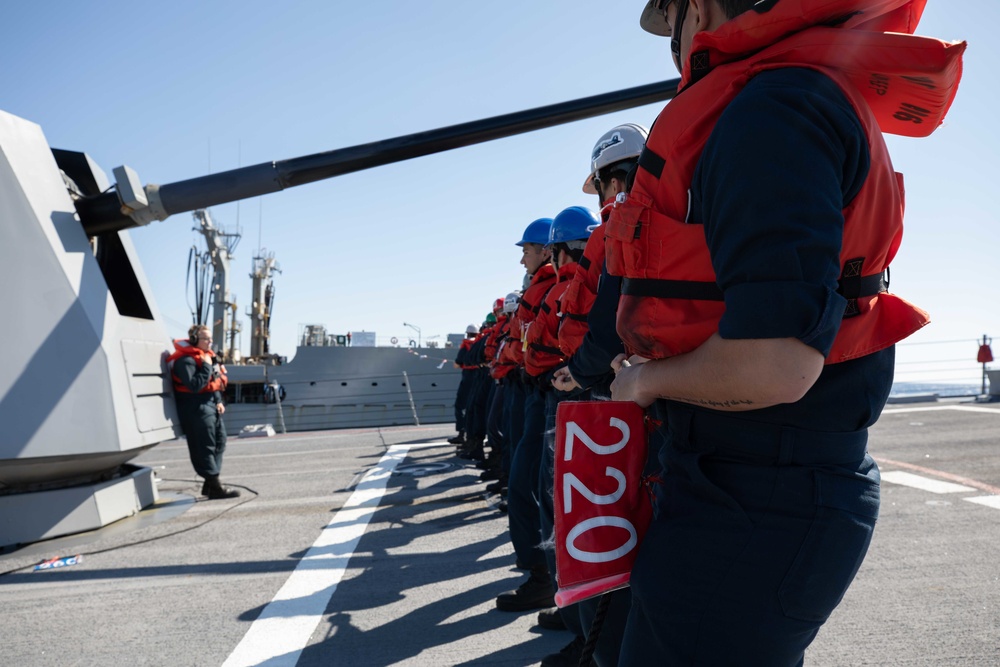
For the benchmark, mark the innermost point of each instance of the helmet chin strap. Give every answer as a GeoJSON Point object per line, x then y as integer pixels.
{"type": "Point", "coordinates": [675, 33]}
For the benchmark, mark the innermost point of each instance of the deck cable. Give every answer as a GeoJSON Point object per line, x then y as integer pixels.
{"type": "Point", "coordinates": [158, 537]}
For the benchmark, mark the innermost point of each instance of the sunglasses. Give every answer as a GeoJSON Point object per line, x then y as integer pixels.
{"type": "Point", "coordinates": [661, 6]}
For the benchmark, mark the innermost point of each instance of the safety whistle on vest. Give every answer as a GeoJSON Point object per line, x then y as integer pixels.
{"type": "Point", "coordinates": [602, 508]}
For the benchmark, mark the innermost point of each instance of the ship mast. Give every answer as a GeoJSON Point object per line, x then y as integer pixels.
{"type": "Point", "coordinates": [221, 245]}
{"type": "Point", "coordinates": [259, 312]}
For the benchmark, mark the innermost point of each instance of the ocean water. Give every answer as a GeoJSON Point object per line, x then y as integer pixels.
{"type": "Point", "coordinates": [939, 388]}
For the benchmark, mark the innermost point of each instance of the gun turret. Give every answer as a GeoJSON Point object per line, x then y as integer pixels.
{"type": "Point", "coordinates": [131, 204]}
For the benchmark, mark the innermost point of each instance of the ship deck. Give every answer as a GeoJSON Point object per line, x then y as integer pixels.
{"type": "Point", "coordinates": [376, 547]}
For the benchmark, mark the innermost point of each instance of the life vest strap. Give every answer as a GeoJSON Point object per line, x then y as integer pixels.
{"type": "Point", "coordinates": [850, 286]}
{"type": "Point", "coordinates": [545, 348]}
{"type": "Point", "coordinates": [651, 162]}
{"type": "Point", "coordinates": [853, 285]}
{"type": "Point", "coordinates": [671, 289]}
{"type": "Point", "coordinates": [575, 316]}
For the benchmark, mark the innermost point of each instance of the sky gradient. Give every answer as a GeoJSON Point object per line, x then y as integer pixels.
{"type": "Point", "coordinates": [177, 91]}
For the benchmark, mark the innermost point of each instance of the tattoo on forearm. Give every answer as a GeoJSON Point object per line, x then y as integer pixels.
{"type": "Point", "coordinates": [710, 403]}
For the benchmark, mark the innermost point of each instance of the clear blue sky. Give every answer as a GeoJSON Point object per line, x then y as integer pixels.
{"type": "Point", "coordinates": [180, 89]}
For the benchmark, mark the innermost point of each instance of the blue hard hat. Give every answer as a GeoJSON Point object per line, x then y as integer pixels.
{"type": "Point", "coordinates": [536, 232]}
{"type": "Point", "coordinates": [573, 224]}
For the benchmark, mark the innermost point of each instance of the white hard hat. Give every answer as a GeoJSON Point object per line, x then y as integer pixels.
{"type": "Point", "coordinates": [472, 329]}
{"type": "Point", "coordinates": [510, 302]}
{"type": "Point", "coordinates": [624, 142]}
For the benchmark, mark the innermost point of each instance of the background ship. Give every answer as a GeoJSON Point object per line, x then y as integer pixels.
{"type": "Point", "coordinates": [332, 381]}
{"type": "Point", "coordinates": [334, 386]}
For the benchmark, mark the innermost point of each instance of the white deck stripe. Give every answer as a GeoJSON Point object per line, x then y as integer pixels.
{"type": "Point", "coordinates": [923, 483]}
{"type": "Point", "coordinates": [987, 501]}
{"type": "Point", "coordinates": [931, 408]}
{"type": "Point", "coordinates": [284, 627]}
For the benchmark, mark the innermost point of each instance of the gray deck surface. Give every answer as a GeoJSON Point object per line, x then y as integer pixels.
{"type": "Point", "coordinates": [184, 585]}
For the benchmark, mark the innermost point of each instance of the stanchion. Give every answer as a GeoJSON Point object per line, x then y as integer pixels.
{"type": "Point", "coordinates": [406, 381]}
{"type": "Point", "coordinates": [277, 401]}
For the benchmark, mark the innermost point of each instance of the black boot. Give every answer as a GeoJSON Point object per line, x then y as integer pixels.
{"type": "Point", "coordinates": [489, 475]}
{"type": "Point", "coordinates": [569, 656]}
{"type": "Point", "coordinates": [472, 451]}
{"type": "Point", "coordinates": [551, 619]}
{"type": "Point", "coordinates": [536, 593]}
{"type": "Point", "coordinates": [215, 491]}
{"type": "Point", "coordinates": [458, 439]}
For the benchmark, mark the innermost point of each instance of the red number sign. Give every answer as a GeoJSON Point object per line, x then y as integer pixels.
{"type": "Point", "coordinates": [601, 507]}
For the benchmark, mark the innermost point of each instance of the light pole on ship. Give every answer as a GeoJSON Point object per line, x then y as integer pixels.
{"type": "Point", "coordinates": [415, 328]}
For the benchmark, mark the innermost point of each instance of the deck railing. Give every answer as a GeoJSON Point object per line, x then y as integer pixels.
{"type": "Point", "coordinates": [945, 367]}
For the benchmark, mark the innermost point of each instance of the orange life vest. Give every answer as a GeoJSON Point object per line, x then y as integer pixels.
{"type": "Point", "coordinates": [896, 83]}
{"type": "Point", "coordinates": [499, 368]}
{"type": "Point", "coordinates": [493, 338]}
{"type": "Point", "coordinates": [464, 348]}
{"type": "Point", "coordinates": [542, 353]}
{"type": "Point", "coordinates": [527, 310]}
{"type": "Point", "coordinates": [183, 348]}
{"type": "Point", "coordinates": [579, 298]}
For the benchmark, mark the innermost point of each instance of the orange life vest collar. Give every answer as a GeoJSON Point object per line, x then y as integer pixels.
{"type": "Point", "coordinates": [908, 82]}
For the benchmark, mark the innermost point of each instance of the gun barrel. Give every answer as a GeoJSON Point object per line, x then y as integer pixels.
{"type": "Point", "coordinates": [103, 213]}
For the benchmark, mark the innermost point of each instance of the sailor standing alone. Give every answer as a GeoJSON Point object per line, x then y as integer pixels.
{"type": "Point", "coordinates": [198, 386]}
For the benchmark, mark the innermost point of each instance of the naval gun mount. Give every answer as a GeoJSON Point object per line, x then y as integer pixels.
{"type": "Point", "coordinates": [83, 385]}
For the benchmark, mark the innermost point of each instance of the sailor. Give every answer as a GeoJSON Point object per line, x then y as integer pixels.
{"type": "Point", "coordinates": [587, 333]}
{"type": "Point", "coordinates": [494, 428]}
{"type": "Point", "coordinates": [480, 392]}
{"type": "Point", "coordinates": [589, 339]}
{"type": "Point", "coordinates": [542, 357]}
{"type": "Point", "coordinates": [752, 246]}
{"type": "Point", "coordinates": [506, 372]}
{"type": "Point", "coordinates": [527, 416]}
{"type": "Point", "coordinates": [198, 385]}
{"type": "Point", "coordinates": [462, 396]}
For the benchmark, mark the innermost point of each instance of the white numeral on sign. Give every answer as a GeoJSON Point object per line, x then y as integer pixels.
{"type": "Point", "coordinates": [571, 481]}
{"type": "Point", "coordinates": [573, 431]}
{"type": "Point", "coordinates": [601, 556]}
